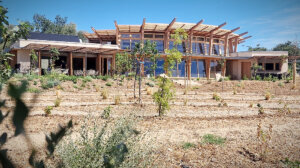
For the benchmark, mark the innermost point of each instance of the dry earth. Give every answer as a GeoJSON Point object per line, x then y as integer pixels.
{"type": "Point", "coordinates": [192, 115]}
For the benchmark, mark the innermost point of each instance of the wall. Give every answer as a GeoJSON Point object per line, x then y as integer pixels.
{"type": "Point", "coordinates": [23, 59]}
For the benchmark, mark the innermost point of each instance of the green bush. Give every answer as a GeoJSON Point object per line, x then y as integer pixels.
{"type": "Point", "coordinates": [108, 84]}
{"type": "Point", "coordinates": [104, 78]}
{"type": "Point", "coordinates": [69, 78]}
{"type": "Point", "coordinates": [113, 145]}
{"type": "Point", "coordinates": [106, 112]}
{"type": "Point", "coordinates": [87, 79]}
{"type": "Point", "coordinates": [258, 77]}
{"type": "Point", "coordinates": [213, 139]}
{"type": "Point", "coordinates": [46, 84]}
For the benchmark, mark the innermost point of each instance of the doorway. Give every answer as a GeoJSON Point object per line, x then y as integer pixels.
{"type": "Point", "coordinates": [246, 70]}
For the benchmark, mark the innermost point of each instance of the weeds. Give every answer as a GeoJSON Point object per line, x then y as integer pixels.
{"type": "Point", "coordinates": [117, 99]}
{"type": "Point", "coordinates": [108, 84]}
{"type": "Point", "coordinates": [268, 95]}
{"type": "Point", "coordinates": [33, 90]}
{"type": "Point", "coordinates": [251, 105]}
{"type": "Point", "coordinates": [104, 94]}
{"type": "Point", "coordinates": [47, 110]}
{"type": "Point", "coordinates": [150, 84]}
{"type": "Point", "coordinates": [260, 109]}
{"type": "Point", "coordinates": [188, 145]}
{"type": "Point", "coordinates": [291, 164]}
{"type": "Point", "coordinates": [216, 97]}
{"type": "Point", "coordinates": [57, 102]}
{"type": "Point", "coordinates": [285, 110]}
{"type": "Point", "coordinates": [106, 112]}
{"type": "Point", "coordinates": [280, 84]}
{"type": "Point", "coordinates": [264, 139]}
{"type": "Point", "coordinates": [213, 139]}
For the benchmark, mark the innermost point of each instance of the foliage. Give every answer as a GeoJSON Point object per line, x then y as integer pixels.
{"type": "Point", "coordinates": [47, 110]}
{"type": "Point", "coordinates": [257, 48]}
{"type": "Point", "coordinates": [150, 84]}
{"type": "Point", "coordinates": [33, 90]}
{"type": "Point", "coordinates": [104, 94]}
{"type": "Point", "coordinates": [112, 145]}
{"type": "Point", "coordinates": [174, 56]}
{"type": "Point", "coordinates": [123, 63]}
{"type": "Point", "coordinates": [106, 112]}
{"type": "Point", "coordinates": [291, 47]}
{"type": "Point", "coordinates": [108, 84]}
{"type": "Point", "coordinates": [117, 99]}
{"type": "Point", "coordinates": [54, 56]}
{"type": "Point", "coordinates": [264, 139]}
{"type": "Point", "coordinates": [268, 96]}
{"type": "Point", "coordinates": [57, 102]}
{"type": "Point", "coordinates": [261, 110]}
{"type": "Point", "coordinates": [34, 59]}
{"type": "Point", "coordinates": [291, 164]}
{"type": "Point", "coordinates": [255, 67]}
{"type": "Point", "coordinates": [164, 94]}
{"type": "Point", "coordinates": [213, 139]}
{"type": "Point", "coordinates": [216, 97]}
{"type": "Point", "coordinates": [188, 145]}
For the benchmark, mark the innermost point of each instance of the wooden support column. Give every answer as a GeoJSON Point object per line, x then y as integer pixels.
{"type": "Point", "coordinates": [225, 45]}
{"type": "Point", "coordinates": [189, 68]}
{"type": "Point", "coordinates": [207, 68]}
{"type": "Point", "coordinates": [84, 66]}
{"type": "Point", "coordinates": [40, 62]}
{"type": "Point", "coordinates": [230, 46]}
{"type": "Point", "coordinates": [166, 40]}
{"type": "Point", "coordinates": [98, 64]}
{"type": "Point", "coordinates": [236, 44]}
{"type": "Point", "coordinates": [224, 69]}
{"type": "Point", "coordinates": [294, 71]}
{"type": "Point", "coordinates": [210, 43]}
{"type": "Point", "coordinates": [113, 63]}
{"type": "Point", "coordinates": [70, 63]}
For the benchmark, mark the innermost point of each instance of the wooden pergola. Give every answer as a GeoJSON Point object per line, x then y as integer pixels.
{"type": "Point", "coordinates": [100, 52]}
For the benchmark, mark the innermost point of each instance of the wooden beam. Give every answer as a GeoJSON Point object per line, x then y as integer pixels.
{"type": "Point", "coordinates": [235, 44]}
{"type": "Point", "coordinates": [210, 44]}
{"type": "Point", "coordinates": [294, 72]}
{"type": "Point", "coordinates": [42, 48]}
{"type": "Point", "coordinates": [226, 45]}
{"type": "Point", "coordinates": [78, 49]}
{"type": "Point", "coordinates": [170, 25]}
{"type": "Point", "coordinates": [143, 25]}
{"type": "Point", "coordinates": [217, 28]}
{"type": "Point", "coordinates": [231, 31]}
{"type": "Point", "coordinates": [71, 63]}
{"type": "Point", "coordinates": [194, 27]}
{"type": "Point", "coordinates": [207, 68]}
{"type": "Point", "coordinates": [94, 30]}
{"type": "Point", "coordinates": [243, 39]}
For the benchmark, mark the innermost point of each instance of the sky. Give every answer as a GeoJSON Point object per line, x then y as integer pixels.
{"type": "Point", "coordinates": [269, 22]}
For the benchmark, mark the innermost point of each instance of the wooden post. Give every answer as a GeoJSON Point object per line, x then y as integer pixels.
{"type": "Point", "coordinates": [207, 68]}
{"type": "Point", "coordinates": [294, 71]}
{"type": "Point", "coordinates": [114, 63]}
{"type": "Point", "coordinates": [40, 64]}
{"type": "Point", "coordinates": [71, 63]}
{"type": "Point", "coordinates": [224, 69]}
{"type": "Point", "coordinates": [84, 66]}
{"type": "Point", "coordinates": [189, 67]}
{"type": "Point", "coordinates": [235, 44]}
{"type": "Point", "coordinates": [210, 44]}
{"type": "Point", "coordinates": [225, 45]}
{"type": "Point", "coordinates": [166, 40]}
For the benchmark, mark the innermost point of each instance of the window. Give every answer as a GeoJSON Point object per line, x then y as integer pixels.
{"type": "Point", "coordinates": [125, 44]}
{"type": "Point", "coordinates": [133, 42]}
{"type": "Point", "coordinates": [216, 40]}
{"type": "Point", "coordinates": [207, 39]}
{"type": "Point", "coordinates": [215, 50]}
{"type": "Point", "coordinates": [135, 36]}
{"type": "Point", "coordinates": [159, 36]}
{"type": "Point", "coordinates": [148, 35]}
{"type": "Point", "coordinates": [269, 66]}
{"type": "Point", "coordinates": [125, 35]}
{"type": "Point", "coordinates": [277, 67]}
{"type": "Point", "coordinates": [200, 39]}
{"type": "Point", "coordinates": [159, 45]}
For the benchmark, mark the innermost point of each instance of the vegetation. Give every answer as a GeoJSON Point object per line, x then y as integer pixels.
{"type": "Point", "coordinates": [104, 94]}
{"type": "Point", "coordinates": [54, 53]}
{"type": "Point", "coordinates": [106, 112]}
{"type": "Point", "coordinates": [291, 47]}
{"type": "Point", "coordinates": [268, 95]}
{"type": "Point", "coordinates": [47, 110]}
{"type": "Point", "coordinates": [34, 59]}
{"type": "Point", "coordinates": [124, 63]}
{"type": "Point", "coordinates": [164, 94]}
{"type": "Point", "coordinates": [255, 67]}
{"type": "Point", "coordinates": [260, 109]}
{"type": "Point", "coordinates": [57, 102]}
{"type": "Point", "coordinates": [117, 99]}
{"type": "Point", "coordinates": [108, 84]}
{"type": "Point", "coordinates": [188, 145]}
{"type": "Point", "coordinates": [213, 139]}
{"type": "Point", "coordinates": [264, 138]}
{"type": "Point", "coordinates": [216, 97]}
{"type": "Point", "coordinates": [257, 48]}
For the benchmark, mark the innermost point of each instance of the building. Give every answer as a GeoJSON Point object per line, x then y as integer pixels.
{"type": "Point", "coordinates": [206, 44]}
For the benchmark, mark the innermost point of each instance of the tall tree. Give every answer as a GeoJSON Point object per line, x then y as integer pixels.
{"type": "Point", "coordinates": [292, 48]}
{"type": "Point", "coordinates": [257, 48]}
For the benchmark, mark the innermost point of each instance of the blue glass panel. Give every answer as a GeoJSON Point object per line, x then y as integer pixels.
{"type": "Point", "coordinates": [160, 45]}
{"type": "Point", "coordinates": [207, 49]}
{"type": "Point", "coordinates": [171, 45]}
{"type": "Point", "coordinates": [136, 36]}
{"type": "Point", "coordinates": [125, 35]}
{"type": "Point", "coordinates": [201, 66]}
{"type": "Point", "coordinates": [147, 67]}
{"type": "Point", "coordinates": [194, 48]}
{"type": "Point", "coordinates": [125, 44]}
{"type": "Point", "coordinates": [215, 49]}
{"type": "Point", "coordinates": [222, 49]}
{"type": "Point", "coordinates": [201, 48]}
{"type": "Point", "coordinates": [181, 69]}
{"type": "Point", "coordinates": [160, 67]}
{"type": "Point", "coordinates": [194, 72]}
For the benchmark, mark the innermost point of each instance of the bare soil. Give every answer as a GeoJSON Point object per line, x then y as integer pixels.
{"type": "Point", "coordinates": [191, 116]}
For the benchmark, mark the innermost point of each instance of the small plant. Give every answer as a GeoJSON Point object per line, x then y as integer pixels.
{"type": "Point", "coordinates": [251, 105]}
{"type": "Point", "coordinates": [57, 102]}
{"type": "Point", "coordinates": [149, 91]}
{"type": "Point", "coordinates": [150, 84]}
{"type": "Point", "coordinates": [97, 88]}
{"type": "Point", "coordinates": [185, 102]}
{"type": "Point", "coordinates": [291, 164]}
{"type": "Point", "coordinates": [260, 109]}
{"type": "Point", "coordinates": [47, 110]}
{"type": "Point", "coordinates": [196, 87]}
{"type": "Point", "coordinates": [293, 87]}
{"type": "Point", "coordinates": [280, 84]}
{"type": "Point", "coordinates": [216, 97]}
{"type": "Point", "coordinates": [164, 94]}
{"type": "Point", "coordinates": [222, 103]}
{"type": "Point", "coordinates": [75, 86]}
{"type": "Point", "coordinates": [33, 90]}
{"type": "Point", "coordinates": [268, 96]}
{"type": "Point", "coordinates": [285, 109]}
{"type": "Point", "coordinates": [264, 138]}
{"type": "Point", "coordinates": [104, 94]}
{"type": "Point", "coordinates": [108, 84]}
{"type": "Point", "coordinates": [104, 78]}
{"type": "Point", "coordinates": [188, 145]}
{"type": "Point", "coordinates": [234, 91]}
{"type": "Point", "coordinates": [213, 139]}
{"type": "Point", "coordinates": [34, 82]}
{"type": "Point", "coordinates": [117, 99]}
{"type": "Point", "coordinates": [106, 112]}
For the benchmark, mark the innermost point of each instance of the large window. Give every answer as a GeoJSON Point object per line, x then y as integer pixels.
{"type": "Point", "coordinates": [125, 44]}
{"type": "Point", "coordinates": [269, 66]}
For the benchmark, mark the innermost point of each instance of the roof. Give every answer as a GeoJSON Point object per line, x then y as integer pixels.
{"type": "Point", "coordinates": [52, 37]}
{"type": "Point", "coordinates": [198, 29]}
{"type": "Point", "coordinates": [259, 54]}
{"type": "Point", "coordinates": [46, 45]}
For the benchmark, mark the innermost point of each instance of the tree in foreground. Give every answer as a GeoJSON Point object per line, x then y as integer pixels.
{"type": "Point", "coordinates": [123, 63]}
{"type": "Point", "coordinates": [164, 95]}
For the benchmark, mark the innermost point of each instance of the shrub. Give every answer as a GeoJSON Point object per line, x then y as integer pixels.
{"type": "Point", "coordinates": [49, 83]}
{"type": "Point", "coordinates": [267, 96]}
{"type": "Point", "coordinates": [33, 90]}
{"type": "Point", "coordinates": [115, 144]}
{"type": "Point", "coordinates": [164, 94]}
{"type": "Point", "coordinates": [106, 112]}
{"type": "Point", "coordinates": [104, 78]}
{"type": "Point", "coordinates": [104, 94]}
{"type": "Point", "coordinates": [188, 145]}
{"type": "Point", "coordinates": [47, 110]}
{"type": "Point", "coordinates": [264, 139]}
{"type": "Point", "coordinates": [216, 97]}
{"type": "Point", "coordinates": [258, 77]}
{"type": "Point", "coordinates": [34, 82]}
{"type": "Point", "coordinates": [97, 88]}
{"type": "Point", "coordinates": [150, 84]}
{"type": "Point", "coordinates": [260, 109]}
{"type": "Point", "coordinates": [291, 164]}
{"type": "Point", "coordinates": [108, 84]}
{"type": "Point", "coordinates": [117, 99]}
{"type": "Point", "coordinates": [57, 102]}
{"type": "Point", "coordinates": [87, 79]}
{"type": "Point", "coordinates": [251, 105]}
{"type": "Point", "coordinates": [213, 139]}
{"type": "Point", "coordinates": [280, 84]}
{"type": "Point", "coordinates": [245, 77]}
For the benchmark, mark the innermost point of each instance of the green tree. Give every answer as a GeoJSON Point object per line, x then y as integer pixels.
{"type": "Point", "coordinates": [164, 94]}
{"type": "Point", "coordinates": [8, 35]}
{"type": "Point", "coordinates": [174, 56]}
{"type": "Point", "coordinates": [292, 48]}
{"type": "Point", "coordinates": [34, 59]}
{"type": "Point", "coordinates": [54, 55]}
{"type": "Point", "coordinates": [139, 53]}
{"type": "Point", "coordinates": [123, 63]}
{"type": "Point", "coordinates": [257, 48]}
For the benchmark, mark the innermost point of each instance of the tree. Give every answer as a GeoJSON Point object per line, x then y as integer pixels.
{"type": "Point", "coordinates": [123, 63]}
{"type": "Point", "coordinates": [8, 35]}
{"type": "Point", "coordinates": [164, 94]}
{"type": "Point", "coordinates": [54, 55]}
{"type": "Point", "coordinates": [292, 48]}
{"type": "Point", "coordinates": [139, 53]}
{"type": "Point", "coordinates": [255, 67]}
{"type": "Point", "coordinates": [257, 48]}
{"type": "Point", "coordinates": [174, 56]}
{"type": "Point", "coordinates": [34, 59]}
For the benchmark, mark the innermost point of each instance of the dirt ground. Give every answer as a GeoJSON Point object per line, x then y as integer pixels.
{"type": "Point", "coordinates": [192, 115]}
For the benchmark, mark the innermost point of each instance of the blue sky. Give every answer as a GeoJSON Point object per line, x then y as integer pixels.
{"type": "Point", "coordinates": [269, 22]}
